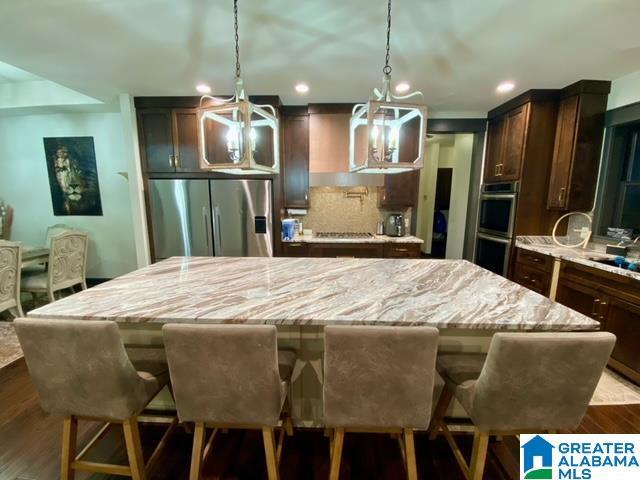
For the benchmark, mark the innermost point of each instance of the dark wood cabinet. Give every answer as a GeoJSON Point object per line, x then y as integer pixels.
{"type": "Point", "coordinates": [356, 250]}
{"type": "Point", "coordinates": [505, 145]}
{"type": "Point", "coordinates": [295, 249]}
{"type": "Point", "coordinates": [400, 190]}
{"type": "Point", "coordinates": [532, 270]}
{"type": "Point", "coordinates": [168, 139]}
{"type": "Point", "coordinates": [578, 142]}
{"type": "Point", "coordinates": [295, 156]}
{"type": "Point", "coordinates": [401, 250]}
{"type": "Point", "coordinates": [611, 299]}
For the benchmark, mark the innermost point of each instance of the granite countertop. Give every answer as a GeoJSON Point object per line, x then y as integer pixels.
{"type": "Point", "coordinates": [319, 291]}
{"type": "Point", "coordinates": [584, 256]}
{"type": "Point", "coordinates": [373, 239]}
{"type": "Point", "coordinates": [10, 350]}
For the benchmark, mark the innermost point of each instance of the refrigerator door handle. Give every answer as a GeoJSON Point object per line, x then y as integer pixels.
{"type": "Point", "coordinates": [205, 225]}
{"type": "Point", "coordinates": [217, 236]}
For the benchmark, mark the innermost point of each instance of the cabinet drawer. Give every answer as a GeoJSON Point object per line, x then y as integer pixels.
{"type": "Point", "coordinates": [611, 283]}
{"type": "Point", "coordinates": [535, 260]}
{"type": "Point", "coordinates": [532, 278]}
{"type": "Point", "coordinates": [402, 250]}
{"type": "Point", "coordinates": [295, 249]}
{"type": "Point", "coordinates": [355, 250]}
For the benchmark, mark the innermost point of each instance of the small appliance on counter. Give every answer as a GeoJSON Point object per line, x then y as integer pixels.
{"type": "Point", "coordinates": [289, 228]}
{"type": "Point", "coordinates": [394, 226]}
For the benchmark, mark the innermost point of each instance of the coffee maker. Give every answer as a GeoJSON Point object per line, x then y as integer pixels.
{"type": "Point", "coordinates": [394, 225]}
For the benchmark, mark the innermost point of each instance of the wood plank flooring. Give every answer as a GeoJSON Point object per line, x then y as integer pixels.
{"type": "Point", "coordinates": [30, 446]}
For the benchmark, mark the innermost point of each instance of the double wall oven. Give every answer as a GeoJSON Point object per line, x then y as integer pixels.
{"type": "Point", "coordinates": [496, 218]}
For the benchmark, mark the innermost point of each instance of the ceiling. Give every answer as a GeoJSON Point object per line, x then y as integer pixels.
{"type": "Point", "coordinates": [11, 74]}
{"type": "Point", "coordinates": [455, 51]}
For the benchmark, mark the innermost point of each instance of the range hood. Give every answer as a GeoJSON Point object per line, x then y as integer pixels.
{"type": "Point", "coordinates": [329, 154]}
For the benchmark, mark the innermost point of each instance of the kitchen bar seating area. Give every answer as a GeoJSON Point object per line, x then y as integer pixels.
{"type": "Point", "coordinates": [331, 240]}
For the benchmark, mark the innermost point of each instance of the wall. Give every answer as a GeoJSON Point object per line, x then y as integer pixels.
{"type": "Point", "coordinates": [24, 185]}
{"type": "Point", "coordinates": [624, 90]}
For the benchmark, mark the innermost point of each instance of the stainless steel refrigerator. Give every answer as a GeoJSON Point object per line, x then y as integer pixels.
{"type": "Point", "coordinates": [230, 218]}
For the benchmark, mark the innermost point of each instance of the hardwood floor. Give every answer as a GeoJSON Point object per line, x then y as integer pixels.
{"type": "Point", "coordinates": [30, 446]}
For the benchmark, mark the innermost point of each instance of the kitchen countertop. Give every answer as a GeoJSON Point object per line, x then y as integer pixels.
{"type": "Point", "coordinates": [374, 239]}
{"type": "Point", "coordinates": [318, 291]}
{"type": "Point", "coordinates": [583, 256]}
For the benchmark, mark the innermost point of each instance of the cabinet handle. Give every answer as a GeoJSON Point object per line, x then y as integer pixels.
{"type": "Point", "coordinates": [561, 195]}
{"type": "Point", "coordinates": [171, 161]}
{"type": "Point", "coordinates": [295, 244]}
{"type": "Point", "coordinates": [401, 249]}
{"type": "Point", "coordinates": [176, 161]}
{"type": "Point", "coordinates": [594, 309]}
{"type": "Point", "coordinates": [306, 197]}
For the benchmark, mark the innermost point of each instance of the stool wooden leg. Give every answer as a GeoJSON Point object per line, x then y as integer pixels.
{"type": "Point", "coordinates": [69, 436]}
{"type": "Point", "coordinates": [270, 453]}
{"type": "Point", "coordinates": [196, 452]}
{"type": "Point", "coordinates": [441, 409]}
{"type": "Point", "coordinates": [134, 448]}
{"type": "Point", "coordinates": [410, 452]}
{"type": "Point", "coordinates": [478, 455]}
{"type": "Point", "coordinates": [336, 454]}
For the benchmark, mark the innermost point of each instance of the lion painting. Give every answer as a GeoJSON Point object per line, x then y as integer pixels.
{"type": "Point", "coordinates": [73, 177]}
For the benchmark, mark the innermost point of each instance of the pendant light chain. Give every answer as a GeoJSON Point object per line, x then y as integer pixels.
{"type": "Point", "coordinates": [235, 25]}
{"type": "Point", "coordinates": [387, 69]}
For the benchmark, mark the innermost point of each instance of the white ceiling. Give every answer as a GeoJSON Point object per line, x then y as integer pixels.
{"type": "Point", "coordinates": [11, 74]}
{"type": "Point", "coordinates": [456, 51]}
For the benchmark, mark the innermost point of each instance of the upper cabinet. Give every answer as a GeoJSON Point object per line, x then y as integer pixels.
{"type": "Point", "coordinates": [578, 142]}
{"type": "Point", "coordinates": [168, 139]}
{"type": "Point", "coordinates": [295, 156]}
{"type": "Point", "coordinates": [505, 145]}
{"type": "Point", "coordinates": [400, 190]}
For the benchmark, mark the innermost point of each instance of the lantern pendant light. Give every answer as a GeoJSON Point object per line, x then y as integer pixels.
{"type": "Point", "coordinates": [236, 136]}
{"type": "Point", "coordinates": [386, 134]}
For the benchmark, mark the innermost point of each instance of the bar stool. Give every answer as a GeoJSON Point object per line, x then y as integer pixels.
{"type": "Point", "coordinates": [10, 268]}
{"type": "Point", "coordinates": [81, 371]}
{"type": "Point", "coordinates": [527, 383]}
{"type": "Point", "coordinates": [379, 380]}
{"type": "Point", "coordinates": [229, 376]}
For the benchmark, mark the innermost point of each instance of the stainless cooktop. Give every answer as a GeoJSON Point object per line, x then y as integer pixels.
{"type": "Point", "coordinates": [344, 235]}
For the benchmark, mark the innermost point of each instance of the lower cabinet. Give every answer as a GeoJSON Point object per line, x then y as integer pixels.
{"type": "Point", "coordinates": [611, 299]}
{"type": "Point", "coordinates": [357, 250]}
{"type": "Point", "coordinates": [533, 270]}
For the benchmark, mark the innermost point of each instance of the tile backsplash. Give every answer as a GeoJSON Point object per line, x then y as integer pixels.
{"type": "Point", "coordinates": [344, 209]}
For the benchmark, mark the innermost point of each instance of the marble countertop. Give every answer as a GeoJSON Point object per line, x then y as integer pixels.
{"type": "Point", "coordinates": [373, 239]}
{"type": "Point", "coordinates": [319, 291]}
{"type": "Point", "coordinates": [584, 256]}
{"type": "Point", "coordinates": [10, 350]}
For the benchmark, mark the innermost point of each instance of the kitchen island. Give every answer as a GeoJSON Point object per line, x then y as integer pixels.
{"type": "Point", "coordinates": [301, 295]}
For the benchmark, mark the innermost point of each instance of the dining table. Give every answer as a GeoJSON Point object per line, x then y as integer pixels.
{"type": "Point", "coordinates": [33, 255]}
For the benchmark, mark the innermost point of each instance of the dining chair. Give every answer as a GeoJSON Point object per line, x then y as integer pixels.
{"type": "Point", "coordinates": [230, 376]}
{"type": "Point", "coordinates": [378, 380]}
{"type": "Point", "coordinates": [81, 370]}
{"type": "Point", "coordinates": [10, 272]}
{"type": "Point", "coordinates": [527, 383]}
{"type": "Point", "coordinates": [66, 265]}
{"type": "Point", "coordinates": [54, 230]}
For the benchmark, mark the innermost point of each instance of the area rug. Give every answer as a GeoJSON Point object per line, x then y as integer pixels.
{"type": "Point", "coordinates": [615, 390]}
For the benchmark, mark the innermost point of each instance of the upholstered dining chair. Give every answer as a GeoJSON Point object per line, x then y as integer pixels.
{"type": "Point", "coordinates": [54, 230]}
{"type": "Point", "coordinates": [381, 380]}
{"type": "Point", "coordinates": [527, 383]}
{"type": "Point", "coordinates": [67, 265]}
{"type": "Point", "coordinates": [81, 370]}
{"type": "Point", "coordinates": [10, 267]}
{"type": "Point", "coordinates": [230, 376]}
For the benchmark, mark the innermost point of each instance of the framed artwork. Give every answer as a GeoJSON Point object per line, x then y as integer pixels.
{"type": "Point", "coordinates": [73, 176]}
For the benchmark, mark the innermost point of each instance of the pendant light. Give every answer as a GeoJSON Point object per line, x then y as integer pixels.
{"type": "Point", "coordinates": [236, 136]}
{"type": "Point", "coordinates": [386, 134]}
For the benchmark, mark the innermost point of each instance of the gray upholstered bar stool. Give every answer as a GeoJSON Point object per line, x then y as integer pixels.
{"type": "Point", "coordinates": [81, 370]}
{"type": "Point", "coordinates": [527, 383]}
{"type": "Point", "coordinates": [229, 376]}
{"type": "Point", "coordinates": [10, 266]}
{"type": "Point", "coordinates": [378, 379]}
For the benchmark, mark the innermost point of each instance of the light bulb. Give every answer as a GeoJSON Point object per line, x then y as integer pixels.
{"type": "Point", "coordinates": [374, 137]}
{"type": "Point", "coordinates": [232, 139]}
{"type": "Point", "coordinates": [253, 135]}
{"type": "Point", "coordinates": [394, 138]}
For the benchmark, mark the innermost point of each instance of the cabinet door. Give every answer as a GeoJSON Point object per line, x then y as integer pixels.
{"type": "Point", "coordinates": [400, 190]}
{"type": "Point", "coordinates": [623, 320]}
{"type": "Point", "coordinates": [185, 139]}
{"type": "Point", "coordinates": [297, 249]}
{"type": "Point", "coordinates": [514, 141]}
{"type": "Point", "coordinates": [296, 161]}
{"type": "Point", "coordinates": [495, 144]}
{"type": "Point", "coordinates": [580, 298]}
{"type": "Point", "coordinates": [156, 140]}
{"type": "Point", "coordinates": [362, 250]}
{"type": "Point", "coordinates": [563, 151]}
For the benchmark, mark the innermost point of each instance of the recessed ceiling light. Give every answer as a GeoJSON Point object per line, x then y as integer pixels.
{"type": "Point", "coordinates": [505, 87]}
{"type": "Point", "coordinates": [402, 87]}
{"type": "Point", "coordinates": [302, 88]}
{"type": "Point", "coordinates": [203, 88]}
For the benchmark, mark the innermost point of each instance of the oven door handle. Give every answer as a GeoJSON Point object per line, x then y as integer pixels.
{"type": "Point", "coordinates": [493, 239]}
{"type": "Point", "coordinates": [498, 196]}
